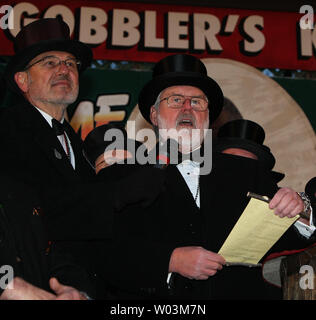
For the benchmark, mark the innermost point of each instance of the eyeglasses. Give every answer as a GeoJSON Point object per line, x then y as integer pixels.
{"type": "Point", "coordinates": [51, 62]}
{"type": "Point", "coordinates": [176, 101]}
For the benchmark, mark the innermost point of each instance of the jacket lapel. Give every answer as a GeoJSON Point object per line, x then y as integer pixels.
{"type": "Point", "coordinates": [82, 165]}
{"type": "Point", "coordinates": [215, 217]}
{"type": "Point", "coordinates": [47, 141]}
{"type": "Point", "coordinates": [181, 194]}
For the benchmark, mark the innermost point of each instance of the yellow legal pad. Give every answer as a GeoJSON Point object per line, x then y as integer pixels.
{"type": "Point", "coordinates": [255, 232]}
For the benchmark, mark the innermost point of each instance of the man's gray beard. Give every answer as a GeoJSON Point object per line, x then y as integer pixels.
{"type": "Point", "coordinates": [66, 100]}
{"type": "Point", "coordinates": [188, 139]}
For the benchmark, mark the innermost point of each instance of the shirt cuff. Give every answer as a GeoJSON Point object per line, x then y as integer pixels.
{"type": "Point", "coordinates": [304, 229]}
{"type": "Point", "coordinates": [168, 278]}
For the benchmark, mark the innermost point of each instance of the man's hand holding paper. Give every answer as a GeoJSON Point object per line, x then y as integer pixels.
{"type": "Point", "coordinates": [286, 203]}
{"type": "Point", "coordinates": [258, 229]}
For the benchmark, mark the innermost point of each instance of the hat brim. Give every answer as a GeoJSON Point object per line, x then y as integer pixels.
{"type": "Point", "coordinates": [262, 152]}
{"type": "Point", "coordinates": [152, 89]}
{"type": "Point", "coordinates": [277, 176]}
{"type": "Point", "coordinates": [18, 62]}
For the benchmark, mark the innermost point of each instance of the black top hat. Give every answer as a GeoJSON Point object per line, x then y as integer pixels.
{"type": "Point", "coordinates": [180, 69]}
{"type": "Point", "coordinates": [244, 134]}
{"type": "Point", "coordinates": [51, 34]}
{"type": "Point", "coordinates": [95, 144]}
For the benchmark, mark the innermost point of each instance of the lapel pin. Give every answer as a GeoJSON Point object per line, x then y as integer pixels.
{"type": "Point", "coordinates": [57, 154]}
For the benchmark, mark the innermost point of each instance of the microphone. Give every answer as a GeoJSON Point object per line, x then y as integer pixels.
{"type": "Point", "coordinates": [164, 151]}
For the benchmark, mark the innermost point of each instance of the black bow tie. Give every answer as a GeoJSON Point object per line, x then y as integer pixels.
{"type": "Point", "coordinates": [58, 127]}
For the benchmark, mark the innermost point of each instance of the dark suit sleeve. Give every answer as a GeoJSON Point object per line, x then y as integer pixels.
{"type": "Point", "coordinates": [134, 261]}
{"type": "Point", "coordinates": [137, 267]}
{"type": "Point", "coordinates": [63, 267]}
{"type": "Point", "coordinates": [24, 244]}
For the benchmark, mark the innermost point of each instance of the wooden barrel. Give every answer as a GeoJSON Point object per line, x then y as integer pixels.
{"type": "Point", "coordinates": [297, 275]}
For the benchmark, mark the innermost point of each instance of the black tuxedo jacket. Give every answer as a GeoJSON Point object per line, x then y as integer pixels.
{"type": "Point", "coordinates": [31, 153]}
{"type": "Point", "coordinates": [24, 244]}
{"type": "Point", "coordinates": [145, 238]}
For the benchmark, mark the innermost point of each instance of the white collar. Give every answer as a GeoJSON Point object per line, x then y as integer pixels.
{"type": "Point", "coordinates": [189, 163]}
{"type": "Point", "coordinates": [47, 116]}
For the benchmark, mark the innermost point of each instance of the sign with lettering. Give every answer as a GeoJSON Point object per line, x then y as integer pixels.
{"type": "Point", "coordinates": [148, 32]}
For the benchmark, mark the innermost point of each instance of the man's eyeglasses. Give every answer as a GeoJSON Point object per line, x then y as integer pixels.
{"type": "Point", "coordinates": [176, 101]}
{"type": "Point", "coordinates": [51, 62]}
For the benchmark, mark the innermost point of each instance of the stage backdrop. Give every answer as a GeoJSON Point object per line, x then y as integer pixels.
{"type": "Point", "coordinates": [284, 107]}
{"type": "Point", "coordinates": [147, 32]}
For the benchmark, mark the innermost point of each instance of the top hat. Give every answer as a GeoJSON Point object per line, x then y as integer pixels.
{"type": "Point", "coordinates": [95, 144]}
{"type": "Point", "coordinates": [244, 134]}
{"type": "Point", "coordinates": [180, 69]}
{"type": "Point", "coordinates": [51, 34]}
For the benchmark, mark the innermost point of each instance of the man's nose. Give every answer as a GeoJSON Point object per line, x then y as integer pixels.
{"type": "Point", "coordinates": [62, 68]}
{"type": "Point", "coordinates": [187, 104]}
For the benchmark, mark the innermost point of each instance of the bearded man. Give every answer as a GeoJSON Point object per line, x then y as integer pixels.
{"type": "Point", "coordinates": [41, 150]}
{"type": "Point", "coordinates": [44, 73]}
{"type": "Point", "coordinates": [171, 249]}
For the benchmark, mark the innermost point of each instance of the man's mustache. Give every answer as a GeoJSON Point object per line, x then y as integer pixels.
{"type": "Point", "coordinates": [186, 118]}
{"type": "Point", "coordinates": [64, 77]}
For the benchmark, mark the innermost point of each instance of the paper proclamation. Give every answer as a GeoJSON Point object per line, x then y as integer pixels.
{"type": "Point", "coordinates": [255, 232]}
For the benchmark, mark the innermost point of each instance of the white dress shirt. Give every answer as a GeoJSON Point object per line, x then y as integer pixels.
{"type": "Point", "coordinates": [190, 172]}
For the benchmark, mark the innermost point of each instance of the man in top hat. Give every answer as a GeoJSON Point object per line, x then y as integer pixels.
{"type": "Point", "coordinates": [172, 252]}
{"type": "Point", "coordinates": [40, 148]}
{"type": "Point", "coordinates": [45, 71]}
{"type": "Point", "coordinates": [245, 135]}
{"type": "Point", "coordinates": [245, 138]}
{"type": "Point", "coordinates": [108, 144]}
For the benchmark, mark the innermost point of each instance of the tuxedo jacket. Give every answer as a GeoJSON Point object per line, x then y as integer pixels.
{"type": "Point", "coordinates": [31, 153]}
{"type": "Point", "coordinates": [145, 237]}
{"type": "Point", "coordinates": [24, 245]}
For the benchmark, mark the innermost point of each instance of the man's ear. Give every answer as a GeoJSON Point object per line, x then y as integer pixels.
{"type": "Point", "coordinates": [154, 116]}
{"type": "Point", "coordinates": [21, 80]}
